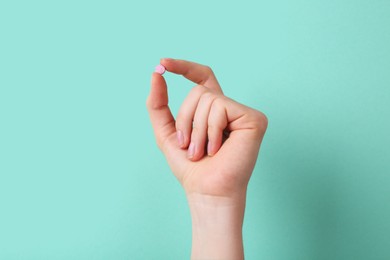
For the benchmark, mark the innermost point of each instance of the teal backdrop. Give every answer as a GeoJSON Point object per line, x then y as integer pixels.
{"type": "Point", "coordinates": [81, 177]}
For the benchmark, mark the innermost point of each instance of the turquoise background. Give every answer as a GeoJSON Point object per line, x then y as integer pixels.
{"type": "Point", "coordinates": [81, 177]}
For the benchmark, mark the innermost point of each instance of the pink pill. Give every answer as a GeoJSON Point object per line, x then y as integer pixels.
{"type": "Point", "coordinates": [160, 69]}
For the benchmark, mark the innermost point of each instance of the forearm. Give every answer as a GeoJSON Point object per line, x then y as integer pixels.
{"type": "Point", "coordinates": [217, 227]}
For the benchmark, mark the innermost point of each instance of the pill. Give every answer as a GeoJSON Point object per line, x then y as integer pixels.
{"type": "Point", "coordinates": [160, 69]}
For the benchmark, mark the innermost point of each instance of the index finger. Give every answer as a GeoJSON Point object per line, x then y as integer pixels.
{"type": "Point", "coordinates": [197, 73]}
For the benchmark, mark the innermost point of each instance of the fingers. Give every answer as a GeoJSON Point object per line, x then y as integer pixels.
{"type": "Point", "coordinates": [186, 114]}
{"type": "Point", "coordinates": [201, 122]}
{"type": "Point", "coordinates": [197, 73]}
{"type": "Point", "coordinates": [216, 114]}
{"type": "Point", "coordinates": [217, 122]}
{"type": "Point", "coordinates": [193, 120]}
{"type": "Point", "coordinates": [196, 149]}
{"type": "Point", "coordinates": [204, 116]}
{"type": "Point", "coordinates": [160, 115]}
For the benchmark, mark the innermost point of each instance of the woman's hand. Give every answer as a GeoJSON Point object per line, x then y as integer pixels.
{"type": "Point", "coordinates": [212, 148]}
{"type": "Point", "coordinates": [213, 145]}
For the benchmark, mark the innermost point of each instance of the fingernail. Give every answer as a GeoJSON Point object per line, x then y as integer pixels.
{"type": "Point", "coordinates": [209, 149]}
{"type": "Point", "coordinates": [191, 150]}
{"type": "Point", "coordinates": [180, 138]}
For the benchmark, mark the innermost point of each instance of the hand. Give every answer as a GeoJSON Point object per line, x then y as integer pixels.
{"type": "Point", "coordinates": [212, 149]}
{"type": "Point", "coordinates": [205, 117]}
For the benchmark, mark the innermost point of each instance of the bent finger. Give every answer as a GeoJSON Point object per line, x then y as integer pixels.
{"type": "Point", "coordinates": [217, 122]}
{"type": "Point", "coordinates": [199, 130]}
{"type": "Point", "coordinates": [185, 116]}
{"type": "Point", "coordinates": [197, 73]}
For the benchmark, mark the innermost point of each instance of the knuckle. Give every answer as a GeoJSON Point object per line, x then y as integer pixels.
{"type": "Point", "coordinates": [218, 102]}
{"type": "Point", "coordinates": [259, 120]}
{"type": "Point", "coordinates": [208, 70]}
{"type": "Point", "coordinates": [198, 90]}
{"type": "Point", "coordinates": [207, 96]}
{"type": "Point", "coordinates": [151, 104]}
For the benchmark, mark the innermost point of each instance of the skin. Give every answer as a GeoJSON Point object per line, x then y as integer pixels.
{"type": "Point", "coordinates": [211, 147]}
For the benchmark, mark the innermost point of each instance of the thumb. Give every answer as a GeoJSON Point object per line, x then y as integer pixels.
{"type": "Point", "coordinates": [160, 115]}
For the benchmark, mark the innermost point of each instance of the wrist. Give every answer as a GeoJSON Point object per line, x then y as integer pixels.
{"type": "Point", "coordinates": [217, 226]}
